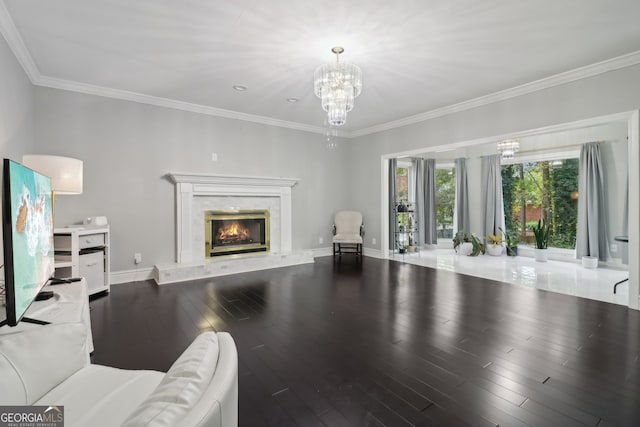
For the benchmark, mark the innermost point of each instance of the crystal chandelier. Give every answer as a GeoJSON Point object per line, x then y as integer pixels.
{"type": "Point", "coordinates": [508, 148]}
{"type": "Point", "coordinates": [337, 85]}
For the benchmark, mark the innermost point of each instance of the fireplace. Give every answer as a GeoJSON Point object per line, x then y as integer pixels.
{"type": "Point", "coordinates": [236, 232]}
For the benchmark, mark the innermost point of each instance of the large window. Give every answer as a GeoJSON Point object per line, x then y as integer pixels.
{"type": "Point", "coordinates": [445, 200]}
{"type": "Point", "coordinates": [545, 190]}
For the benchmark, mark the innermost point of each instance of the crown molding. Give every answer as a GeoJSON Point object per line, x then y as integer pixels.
{"type": "Point", "coordinates": [19, 49]}
{"type": "Point", "coordinates": [546, 83]}
{"type": "Point", "coordinates": [16, 44]}
{"type": "Point", "coordinates": [106, 92]}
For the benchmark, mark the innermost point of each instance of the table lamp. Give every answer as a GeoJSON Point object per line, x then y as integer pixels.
{"type": "Point", "coordinates": [65, 172]}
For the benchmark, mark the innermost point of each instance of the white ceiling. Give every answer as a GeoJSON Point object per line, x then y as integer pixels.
{"type": "Point", "coordinates": [416, 56]}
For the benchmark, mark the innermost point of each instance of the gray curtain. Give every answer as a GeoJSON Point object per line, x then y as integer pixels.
{"type": "Point", "coordinates": [393, 197]}
{"type": "Point", "coordinates": [492, 195]}
{"type": "Point", "coordinates": [426, 201]}
{"type": "Point", "coordinates": [592, 237]}
{"type": "Point", "coordinates": [461, 217]}
{"type": "Point", "coordinates": [421, 206]}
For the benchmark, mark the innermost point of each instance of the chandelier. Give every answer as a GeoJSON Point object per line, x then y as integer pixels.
{"type": "Point", "coordinates": [337, 85]}
{"type": "Point", "coordinates": [508, 148]}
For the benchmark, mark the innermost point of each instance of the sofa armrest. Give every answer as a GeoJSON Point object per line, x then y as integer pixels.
{"type": "Point", "coordinates": [200, 388]}
{"type": "Point", "coordinates": [34, 361]}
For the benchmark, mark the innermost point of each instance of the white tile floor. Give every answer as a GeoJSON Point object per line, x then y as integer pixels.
{"type": "Point", "coordinates": [555, 276]}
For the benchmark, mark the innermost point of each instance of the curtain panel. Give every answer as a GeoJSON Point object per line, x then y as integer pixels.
{"type": "Point", "coordinates": [592, 235]}
{"type": "Point", "coordinates": [492, 195]}
{"type": "Point", "coordinates": [461, 219]}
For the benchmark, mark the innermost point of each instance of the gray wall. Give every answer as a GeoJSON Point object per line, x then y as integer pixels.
{"type": "Point", "coordinates": [128, 147]}
{"type": "Point", "coordinates": [17, 110]}
{"type": "Point", "coordinates": [608, 93]}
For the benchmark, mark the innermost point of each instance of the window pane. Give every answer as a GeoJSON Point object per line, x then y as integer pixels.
{"type": "Point", "coordinates": [445, 201]}
{"type": "Point", "coordinates": [545, 190]}
{"type": "Point", "coordinates": [403, 184]}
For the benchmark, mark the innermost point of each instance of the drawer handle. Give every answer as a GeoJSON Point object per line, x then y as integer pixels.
{"type": "Point", "coordinates": [87, 240]}
{"type": "Point", "coordinates": [91, 264]}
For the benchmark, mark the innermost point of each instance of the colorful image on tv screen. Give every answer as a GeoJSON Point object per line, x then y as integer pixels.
{"type": "Point", "coordinates": [32, 233]}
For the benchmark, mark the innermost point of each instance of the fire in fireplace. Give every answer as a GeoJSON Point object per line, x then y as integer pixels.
{"type": "Point", "coordinates": [236, 232]}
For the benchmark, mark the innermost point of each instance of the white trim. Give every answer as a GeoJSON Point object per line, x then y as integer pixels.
{"type": "Point", "coordinates": [633, 133]}
{"type": "Point", "coordinates": [542, 156]}
{"type": "Point", "coordinates": [211, 179]}
{"type": "Point", "coordinates": [591, 70]}
{"type": "Point", "coordinates": [126, 276]}
{"type": "Point", "coordinates": [141, 98]}
{"type": "Point", "coordinates": [320, 252]}
{"type": "Point", "coordinates": [17, 45]}
{"type": "Point", "coordinates": [373, 253]}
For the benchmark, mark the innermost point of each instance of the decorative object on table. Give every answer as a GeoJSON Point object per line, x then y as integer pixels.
{"type": "Point", "coordinates": [494, 245]}
{"type": "Point", "coordinates": [468, 243]}
{"type": "Point", "coordinates": [511, 241]}
{"type": "Point", "coordinates": [337, 85]}
{"type": "Point", "coordinates": [590, 261]}
{"type": "Point", "coordinates": [541, 233]}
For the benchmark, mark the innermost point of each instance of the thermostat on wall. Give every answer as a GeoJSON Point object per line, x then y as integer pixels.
{"type": "Point", "coordinates": [96, 220]}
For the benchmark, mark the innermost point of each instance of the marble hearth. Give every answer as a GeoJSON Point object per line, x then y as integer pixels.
{"type": "Point", "coordinates": [198, 193]}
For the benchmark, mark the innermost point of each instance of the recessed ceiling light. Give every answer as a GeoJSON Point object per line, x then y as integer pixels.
{"type": "Point", "coordinates": [240, 88]}
{"type": "Point", "coordinates": [292, 100]}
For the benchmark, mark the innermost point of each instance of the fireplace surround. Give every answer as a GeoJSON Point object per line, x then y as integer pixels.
{"type": "Point", "coordinates": [196, 193]}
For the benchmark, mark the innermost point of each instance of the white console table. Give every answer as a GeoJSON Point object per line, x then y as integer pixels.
{"type": "Point", "coordinates": [83, 251]}
{"type": "Point", "coordinates": [69, 304]}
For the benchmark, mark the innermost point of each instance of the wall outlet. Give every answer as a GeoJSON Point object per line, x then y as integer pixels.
{"type": "Point", "coordinates": [373, 241]}
{"type": "Point", "coordinates": [214, 157]}
{"type": "Point", "coordinates": [137, 258]}
{"type": "Point", "coordinates": [320, 240]}
{"type": "Point", "coordinates": [614, 248]}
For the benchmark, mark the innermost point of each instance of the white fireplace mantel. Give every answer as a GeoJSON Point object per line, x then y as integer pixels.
{"type": "Point", "coordinates": [191, 185]}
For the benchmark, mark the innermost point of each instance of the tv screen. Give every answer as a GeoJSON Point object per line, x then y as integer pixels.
{"type": "Point", "coordinates": [27, 226]}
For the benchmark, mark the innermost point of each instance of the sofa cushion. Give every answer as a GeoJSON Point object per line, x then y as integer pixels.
{"type": "Point", "coordinates": [101, 396]}
{"type": "Point", "coordinates": [182, 386]}
{"type": "Point", "coordinates": [34, 361]}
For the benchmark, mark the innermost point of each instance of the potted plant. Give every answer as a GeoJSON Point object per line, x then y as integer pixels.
{"type": "Point", "coordinates": [411, 247]}
{"type": "Point", "coordinates": [494, 244]}
{"type": "Point", "coordinates": [468, 243]}
{"type": "Point", "coordinates": [511, 241]}
{"type": "Point", "coordinates": [541, 234]}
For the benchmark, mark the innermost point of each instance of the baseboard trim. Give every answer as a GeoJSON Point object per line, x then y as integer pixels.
{"type": "Point", "coordinates": [320, 252]}
{"type": "Point", "coordinates": [373, 253]}
{"type": "Point", "coordinates": [126, 276]}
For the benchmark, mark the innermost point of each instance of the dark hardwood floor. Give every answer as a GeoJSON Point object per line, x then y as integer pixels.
{"type": "Point", "coordinates": [381, 343]}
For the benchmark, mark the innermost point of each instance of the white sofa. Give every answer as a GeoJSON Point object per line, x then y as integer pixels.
{"type": "Point", "coordinates": [50, 366]}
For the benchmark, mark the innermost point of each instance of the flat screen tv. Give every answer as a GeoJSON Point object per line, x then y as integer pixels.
{"type": "Point", "coordinates": [27, 225]}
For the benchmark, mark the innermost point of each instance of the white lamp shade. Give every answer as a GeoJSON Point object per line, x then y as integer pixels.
{"type": "Point", "coordinates": [65, 172]}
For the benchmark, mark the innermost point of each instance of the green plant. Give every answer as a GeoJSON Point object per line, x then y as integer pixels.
{"type": "Point", "coordinates": [510, 239]}
{"type": "Point", "coordinates": [541, 233]}
{"type": "Point", "coordinates": [463, 236]}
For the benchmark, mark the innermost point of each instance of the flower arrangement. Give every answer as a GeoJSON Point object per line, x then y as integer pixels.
{"type": "Point", "coordinates": [494, 240]}
{"type": "Point", "coordinates": [463, 236]}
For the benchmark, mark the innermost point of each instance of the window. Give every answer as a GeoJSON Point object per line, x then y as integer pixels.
{"type": "Point", "coordinates": [545, 190]}
{"type": "Point", "coordinates": [445, 200]}
{"type": "Point", "coordinates": [402, 184]}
